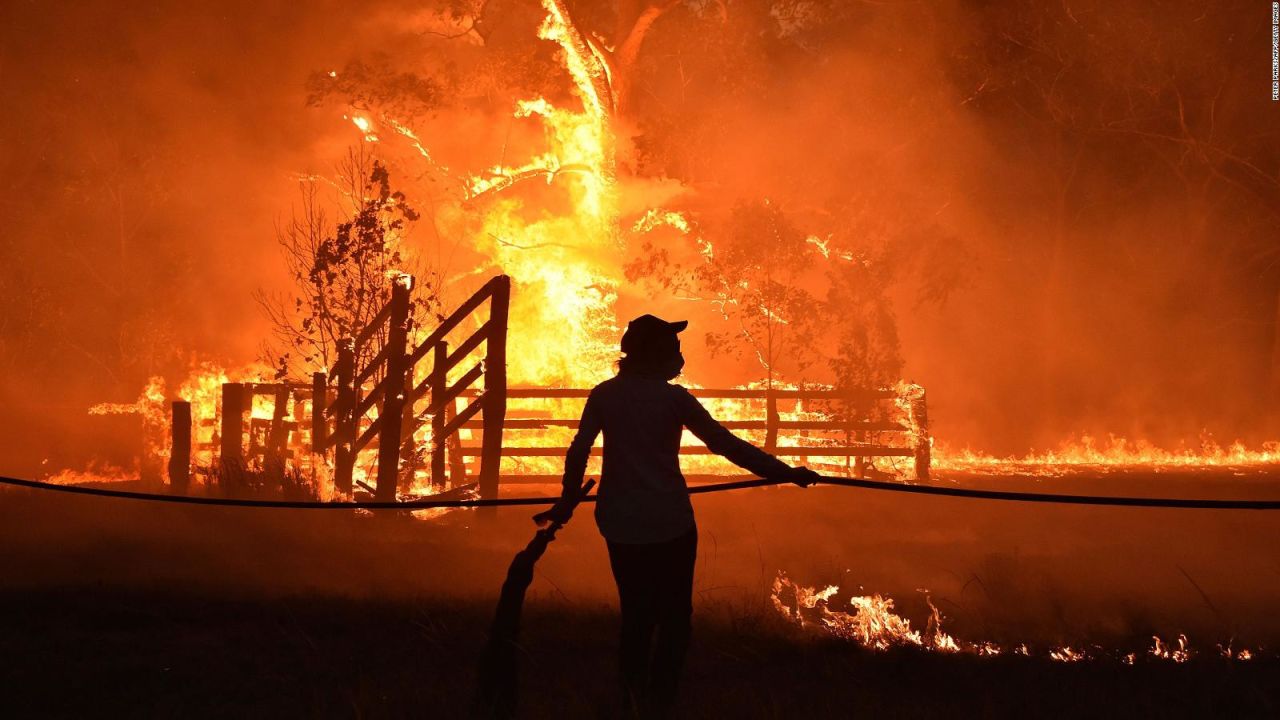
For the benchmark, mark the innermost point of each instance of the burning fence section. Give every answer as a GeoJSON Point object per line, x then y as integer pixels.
{"type": "Point", "coordinates": [853, 433]}
{"type": "Point", "coordinates": [871, 622]}
{"type": "Point", "coordinates": [202, 389]}
{"type": "Point", "coordinates": [398, 408]}
{"type": "Point", "coordinates": [271, 410]}
{"type": "Point", "coordinates": [868, 433]}
{"type": "Point", "coordinates": [879, 434]}
{"type": "Point", "coordinates": [384, 412]}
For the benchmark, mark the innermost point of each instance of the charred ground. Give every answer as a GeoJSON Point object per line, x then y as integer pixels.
{"type": "Point", "coordinates": [80, 652]}
{"type": "Point", "coordinates": [268, 613]}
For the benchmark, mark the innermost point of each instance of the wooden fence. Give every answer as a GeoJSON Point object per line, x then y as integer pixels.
{"type": "Point", "coordinates": [857, 439]}
{"type": "Point", "coordinates": [405, 386]}
{"type": "Point", "coordinates": [398, 396]}
{"type": "Point", "coordinates": [375, 405]}
{"type": "Point", "coordinates": [241, 439]}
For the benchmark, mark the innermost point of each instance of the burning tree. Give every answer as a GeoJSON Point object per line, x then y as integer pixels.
{"type": "Point", "coordinates": [755, 283]}
{"type": "Point", "coordinates": [563, 239]}
{"type": "Point", "coordinates": [342, 272]}
{"type": "Point", "coordinates": [811, 306]}
{"type": "Point", "coordinates": [792, 301]}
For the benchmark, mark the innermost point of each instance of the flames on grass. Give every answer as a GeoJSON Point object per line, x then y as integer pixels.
{"type": "Point", "coordinates": [1114, 453]}
{"type": "Point", "coordinates": [871, 622]}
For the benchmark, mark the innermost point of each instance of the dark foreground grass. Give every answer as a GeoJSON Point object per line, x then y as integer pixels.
{"type": "Point", "coordinates": [89, 652]}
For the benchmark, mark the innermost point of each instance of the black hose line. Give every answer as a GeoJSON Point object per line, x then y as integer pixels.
{"type": "Point", "coordinates": [956, 492]}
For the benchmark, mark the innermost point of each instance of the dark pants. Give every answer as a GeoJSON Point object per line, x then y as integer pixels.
{"type": "Point", "coordinates": [655, 590]}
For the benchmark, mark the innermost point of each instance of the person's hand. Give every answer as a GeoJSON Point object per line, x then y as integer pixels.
{"type": "Point", "coordinates": [803, 476]}
{"type": "Point", "coordinates": [558, 513]}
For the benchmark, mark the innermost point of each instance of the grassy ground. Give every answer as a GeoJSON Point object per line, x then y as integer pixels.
{"type": "Point", "coordinates": [90, 652]}
{"type": "Point", "coordinates": [113, 608]}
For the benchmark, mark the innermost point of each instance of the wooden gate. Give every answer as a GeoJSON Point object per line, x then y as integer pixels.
{"type": "Point", "coordinates": [405, 404]}
{"type": "Point", "coordinates": [402, 389]}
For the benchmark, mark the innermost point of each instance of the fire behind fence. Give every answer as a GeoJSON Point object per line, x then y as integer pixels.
{"type": "Point", "coordinates": [443, 428]}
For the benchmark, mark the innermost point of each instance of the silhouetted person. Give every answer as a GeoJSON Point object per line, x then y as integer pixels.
{"type": "Point", "coordinates": [643, 509]}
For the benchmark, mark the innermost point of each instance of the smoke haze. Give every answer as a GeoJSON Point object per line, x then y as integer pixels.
{"type": "Point", "coordinates": [1106, 268]}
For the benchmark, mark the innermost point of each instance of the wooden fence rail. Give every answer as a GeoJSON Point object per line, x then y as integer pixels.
{"type": "Point", "coordinates": [350, 413]}
{"type": "Point", "coordinates": [782, 436]}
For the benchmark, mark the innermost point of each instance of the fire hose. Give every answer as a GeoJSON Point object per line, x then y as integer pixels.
{"type": "Point", "coordinates": [500, 659]}
{"type": "Point", "coordinates": [942, 491]}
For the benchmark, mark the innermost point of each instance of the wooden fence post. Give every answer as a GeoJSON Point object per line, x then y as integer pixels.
{"type": "Point", "coordinates": [345, 424]}
{"type": "Point", "coordinates": [231, 458]}
{"type": "Point", "coordinates": [495, 387]}
{"type": "Point", "coordinates": [319, 399]}
{"type": "Point", "coordinates": [860, 468]}
{"type": "Point", "coordinates": [180, 455]}
{"type": "Point", "coordinates": [410, 458]}
{"type": "Point", "coordinates": [391, 420]}
{"type": "Point", "coordinates": [457, 465]}
{"type": "Point", "coordinates": [277, 439]}
{"type": "Point", "coordinates": [439, 384]}
{"type": "Point", "coordinates": [858, 413]}
{"type": "Point", "coordinates": [770, 421]}
{"type": "Point", "coordinates": [923, 446]}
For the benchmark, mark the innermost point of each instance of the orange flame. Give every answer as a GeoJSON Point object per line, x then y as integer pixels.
{"type": "Point", "coordinates": [872, 623]}
{"type": "Point", "coordinates": [1116, 453]}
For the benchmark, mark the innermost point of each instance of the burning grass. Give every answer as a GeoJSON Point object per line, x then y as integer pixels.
{"type": "Point", "coordinates": [872, 623]}
{"type": "Point", "coordinates": [334, 614]}
{"type": "Point", "coordinates": [1087, 453]}
{"type": "Point", "coordinates": [200, 655]}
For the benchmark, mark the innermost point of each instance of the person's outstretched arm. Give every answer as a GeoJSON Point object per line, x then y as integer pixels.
{"type": "Point", "coordinates": [720, 441]}
{"type": "Point", "coordinates": [575, 463]}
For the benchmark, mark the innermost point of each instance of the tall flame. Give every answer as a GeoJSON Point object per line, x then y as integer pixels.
{"type": "Point", "coordinates": [564, 263]}
{"type": "Point", "coordinates": [565, 259]}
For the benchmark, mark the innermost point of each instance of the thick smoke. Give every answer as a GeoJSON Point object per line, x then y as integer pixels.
{"type": "Point", "coordinates": [1069, 263]}
{"type": "Point", "coordinates": [149, 152]}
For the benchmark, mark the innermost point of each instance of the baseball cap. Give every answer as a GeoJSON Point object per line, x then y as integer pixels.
{"type": "Point", "coordinates": [648, 331]}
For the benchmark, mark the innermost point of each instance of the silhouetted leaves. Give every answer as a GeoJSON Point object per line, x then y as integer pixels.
{"type": "Point", "coordinates": [792, 302]}
{"type": "Point", "coordinates": [377, 83]}
{"type": "Point", "coordinates": [344, 272]}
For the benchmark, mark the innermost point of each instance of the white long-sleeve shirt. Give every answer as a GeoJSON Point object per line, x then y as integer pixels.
{"type": "Point", "coordinates": [643, 497]}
